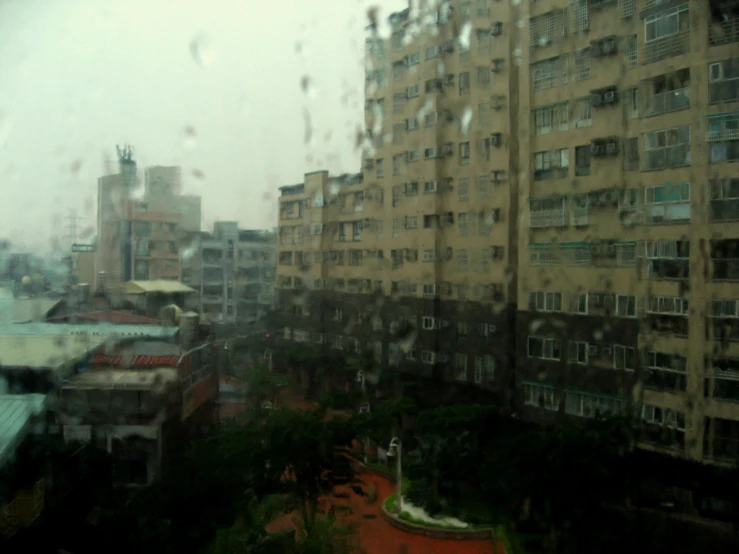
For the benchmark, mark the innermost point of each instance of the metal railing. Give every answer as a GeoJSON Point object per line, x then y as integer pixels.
{"type": "Point", "coordinates": [724, 32]}
{"type": "Point", "coordinates": [670, 101]}
{"type": "Point", "coordinates": [548, 218]}
{"type": "Point", "coordinates": [666, 47]}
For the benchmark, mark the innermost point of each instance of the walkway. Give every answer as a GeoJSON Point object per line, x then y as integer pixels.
{"type": "Point", "coordinates": [377, 536]}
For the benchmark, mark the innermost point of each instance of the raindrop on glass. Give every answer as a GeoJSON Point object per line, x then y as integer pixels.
{"type": "Point", "coordinates": [202, 51]}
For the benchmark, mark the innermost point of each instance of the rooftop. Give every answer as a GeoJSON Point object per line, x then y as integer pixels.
{"type": "Point", "coordinates": [104, 329]}
{"type": "Point", "coordinates": [45, 351]}
{"type": "Point", "coordinates": [108, 316]}
{"type": "Point", "coordinates": [14, 310]}
{"type": "Point", "coordinates": [131, 379]}
{"type": "Point", "coordinates": [16, 411]}
{"type": "Point", "coordinates": [160, 286]}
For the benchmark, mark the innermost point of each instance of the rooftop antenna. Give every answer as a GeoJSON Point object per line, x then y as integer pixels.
{"type": "Point", "coordinates": [125, 154]}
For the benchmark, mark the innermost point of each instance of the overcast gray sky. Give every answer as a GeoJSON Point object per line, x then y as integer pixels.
{"type": "Point", "coordinates": [80, 76]}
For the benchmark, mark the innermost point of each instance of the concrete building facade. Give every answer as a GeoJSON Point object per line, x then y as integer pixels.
{"type": "Point", "coordinates": [139, 228]}
{"type": "Point", "coordinates": [233, 271]}
{"type": "Point", "coordinates": [546, 202]}
{"type": "Point", "coordinates": [627, 292]}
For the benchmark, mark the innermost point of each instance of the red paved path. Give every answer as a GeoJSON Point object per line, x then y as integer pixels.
{"type": "Point", "coordinates": [377, 536]}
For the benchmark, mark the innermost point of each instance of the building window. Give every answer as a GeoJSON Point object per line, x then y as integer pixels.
{"type": "Point", "coordinates": [549, 73]}
{"type": "Point", "coordinates": [667, 148]}
{"type": "Point", "coordinates": [463, 189]}
{"type": "Point", "coordinates": [582, 112]}
{"type": "Point", "coordinates": [541, 396]}
{"type": "Point", "coordinates": [582, 160]}
{"type": "Point", "coordinates": [460, 367]}
{"type": "Point", "coordinates": [582, 64]}
{"type": "Point", "coordinates": [551, 165]}
{"type": "Point", "coordinates": [380, 168]}
{"type": "Point", "coordinates": [545, 301]}
{"type": "Point", "coordinates": [577, 352]}
{"type": "Point", "coordinates": [464, 83]}
{"type": "Point", "coordinates": [624, 357]}
{"type": "Point", "coordinates": [723, 81]}
{"type": "Point", "coordinates": [428, 357]}
{"type": "Point", "coordinates": [464, 153]}
{"type": "Point", "coordinates": [625, 305]}
{"type": "Point", "coordinates": [544, 348]}
{"type": "Point", "coordinates": [551, 119]}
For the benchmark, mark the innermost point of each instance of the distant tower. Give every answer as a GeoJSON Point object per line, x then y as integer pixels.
{"type": "Point", "coordinates": [127, 164]}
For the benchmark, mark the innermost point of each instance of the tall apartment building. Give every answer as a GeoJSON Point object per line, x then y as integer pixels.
{"type": "Point", "coordinates": [628, 282]}
{"type": "Point", "coordinates": [233, 270]}
{"type": "Point", "coordinates": [416, 260]}
{"type": "Point", "coordinates": [139, 230]}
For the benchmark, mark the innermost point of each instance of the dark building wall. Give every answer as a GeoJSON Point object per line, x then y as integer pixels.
{"type": "Point", "coordinates": [598, 376]}
{"type": "Point", "coordinates": [469, 328]}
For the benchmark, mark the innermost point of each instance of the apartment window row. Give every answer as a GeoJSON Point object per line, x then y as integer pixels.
{"type": "Point", "coordinates": [576, 402]}
{"type": "Point", "coordinates": [484, 368]}
{"type": "Point", "coordinates": [621, 357]}
{"type": "Point", "coordinates": [557, 117]}
{"type": "Point", "coordinates": [596, 254]}
{"type": "Point", "coordinates": [354, 285]}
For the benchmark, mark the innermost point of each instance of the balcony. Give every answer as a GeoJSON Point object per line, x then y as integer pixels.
{"type": "Point", "coordinates": [548, 218]}
{"type": "Point", "coordinates": [667, 213]}
{"type": "Point", "coordinates": [663, 48]}
{"type": "Point", "coordinates": [724, 32]}
{"type": "Point", "coordinates": [670, 101]}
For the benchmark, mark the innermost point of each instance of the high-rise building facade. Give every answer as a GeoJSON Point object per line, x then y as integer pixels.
{"type": "Point", "coordinates": [233, 271]}
{"type": "Point", "coordinates": [416, 260]}
{"type": "Point", "coordinates": [139, 228]}
{"type": "Point", "coordinates": [627, 289]}
{"type": "Point", "coordinates": [548, 201]}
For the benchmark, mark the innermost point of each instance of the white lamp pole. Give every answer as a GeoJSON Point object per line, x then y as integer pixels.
{"type": "Point", "coordinates": [361, 381]}
{"type": "Point", "coordinates": [364, 408]}
{"type": "Point", "coordinates": [395, 446]}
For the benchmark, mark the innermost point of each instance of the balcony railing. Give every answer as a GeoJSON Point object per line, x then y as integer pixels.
{"type": "Point", "coordinates": [548, 218]}
{"type": "Point", "coordinates": [666, 47]}
{"type": "Point", "coordinates": [670, 101]}
{"type": "Point", "coordinates": [723, 33]}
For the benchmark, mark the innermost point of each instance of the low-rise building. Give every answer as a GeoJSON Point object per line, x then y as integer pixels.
{"type": "Point", "coordinates": [233, 270]}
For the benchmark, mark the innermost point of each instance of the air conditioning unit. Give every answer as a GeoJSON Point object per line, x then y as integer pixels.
{"type": "Point", "coordinates": [592, 349]}
{"type": "Point", "coordinates": [610, 97]}
{"type": "Point", "coordinates": [596, 49]}
{"type": "Point", "coordinates": [496, 139]}
{"type": "Point", "coordinates": [612, 148]}
{"type": "Point", "coordinates": [609, 47]}
{"type": "Point", "coordinates": [369, 164]}
{"type": "Point", "coordinates": [498, 175]}
{"type": "Point", "coordinates": [450, 79]}
{"type": "Point", "coordinates": [596, 149]}
{"type": "Point", "coordinates": [498, 64]}
{"type": "Point", "coordinates": [596, 99]}
{"type": "Point", "coordinates": [492, 328]}
{"type": "Point", "coordinates": [449, 46]}
{"type": "Point", "coordinates": [496, 214]}
{"type": "Point", "coordinates": [497, 29]}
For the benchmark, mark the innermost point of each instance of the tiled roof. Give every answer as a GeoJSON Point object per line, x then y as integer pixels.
{"type": "Point", "coordinates": [110, 316]}
{"type": "Point", "coordinates": [16, 410]}
{"type": "Point", "coordinates": [136, 361]}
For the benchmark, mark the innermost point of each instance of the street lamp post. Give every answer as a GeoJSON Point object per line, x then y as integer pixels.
{"type": "Point", "coordinates": [395, 447]}
{"type": "Point", "coordinates": [364, 408]}
{"type": "Point", "coordinates": [361, 381]}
